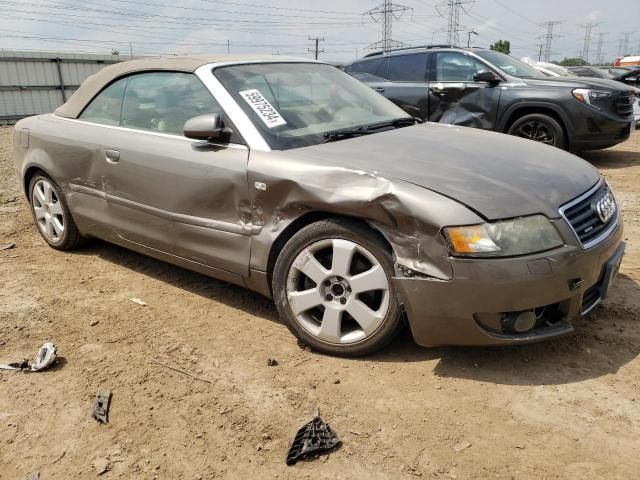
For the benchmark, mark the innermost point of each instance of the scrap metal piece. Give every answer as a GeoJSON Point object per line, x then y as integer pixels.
{"type": "Point", "coordinates": [101, 407]}
{"type": "Point", "coordinates": [44, 358]}
{"type": "Point", "coordinates": [315, 436]}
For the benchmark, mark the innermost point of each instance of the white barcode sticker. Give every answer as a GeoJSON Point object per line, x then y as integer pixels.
{"type": "Point", "coordinates": [263, 108]}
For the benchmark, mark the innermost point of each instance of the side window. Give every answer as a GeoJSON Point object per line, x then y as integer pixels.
{"type": "Point", "coordinates": [377, 67]}
{"type": "Point", "coordinates": [164, 101]}
{"type": "Point", "coordinates": [457, 67]}
{"type": "Point", "coordinates": [106, 107]}
{"type": "Point", "coordinates": [408, 68]}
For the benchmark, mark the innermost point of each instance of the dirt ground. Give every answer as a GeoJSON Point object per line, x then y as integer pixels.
{"type": "Point", "coordinates": [564, 409]}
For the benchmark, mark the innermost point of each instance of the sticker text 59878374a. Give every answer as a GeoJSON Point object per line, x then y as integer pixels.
{"type": "Point", "coordinates": [263, 108]}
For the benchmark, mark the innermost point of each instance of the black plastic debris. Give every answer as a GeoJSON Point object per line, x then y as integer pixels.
{"type": "Point", "coordinates": [272, 362]}
{"type": "Point", "coordinates": [101, 407]}
{"type": "Point", "coordinates": [45, 357]}
{"type": "Point", "coordinates": [314, 437]}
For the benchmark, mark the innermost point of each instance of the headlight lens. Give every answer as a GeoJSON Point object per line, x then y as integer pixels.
{"type": "Point", "coordinates": [504, 238]}
{"type": "Point", "coordinates": [588, 96]}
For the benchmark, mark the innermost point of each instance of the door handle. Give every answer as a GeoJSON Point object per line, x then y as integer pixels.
{"type": "Point", "coordinates": [112, 156]}
{"type": "Point", "coordinates": [379, 89]}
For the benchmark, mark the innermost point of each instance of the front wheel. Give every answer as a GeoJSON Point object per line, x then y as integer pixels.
{"type": "Point", "coordinates": [539, 128]}
{"type": "Point", "coordinates": [332, 287]}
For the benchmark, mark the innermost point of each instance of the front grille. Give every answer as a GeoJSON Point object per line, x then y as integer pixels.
{"type": "Point", "coordinates": [585, 219]}
{"type": "Point", "coordinates": [624, 104]}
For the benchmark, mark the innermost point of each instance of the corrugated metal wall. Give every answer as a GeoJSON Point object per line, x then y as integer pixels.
{"type": "Point", "coordinates": [31, 82]}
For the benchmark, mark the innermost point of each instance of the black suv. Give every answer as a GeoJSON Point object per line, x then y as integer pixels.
{"type": "Point", "coordinates": [482, 88]}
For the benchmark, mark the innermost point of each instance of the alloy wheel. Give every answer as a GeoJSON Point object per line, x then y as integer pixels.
{"type": "Point", "coordinates": [48, 211]}
{"type": "Point", "coordinates": [537, 131]}
{"type": "Point", "coordinates": [338, 291]}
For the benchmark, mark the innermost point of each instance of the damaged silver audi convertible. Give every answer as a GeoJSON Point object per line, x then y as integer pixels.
{"type": "Point", "coordinates": [294, 179]}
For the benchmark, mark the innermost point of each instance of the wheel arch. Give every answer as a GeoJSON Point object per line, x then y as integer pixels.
{"type": "Point", "coordinates": [519, 110]}
{"type": "Point", "coordinates": [30, 172]}
{"type": "Point", "coordinates": [307, 219]}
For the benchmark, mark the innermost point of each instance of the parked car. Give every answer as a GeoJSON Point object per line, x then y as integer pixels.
{"type": "Point", "coordinates": [626, 75]}
{"type": "Point", "coordinates": [486, 89]}
{"type": "Point", "coordinates": [293, 179]}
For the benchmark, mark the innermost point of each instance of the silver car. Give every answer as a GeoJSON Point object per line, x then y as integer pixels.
{"type": "Point", "coordinates": [296, 180]}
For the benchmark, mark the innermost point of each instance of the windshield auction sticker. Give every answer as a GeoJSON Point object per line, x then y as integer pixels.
{"type": "Point", "coordinates": [263, 108]}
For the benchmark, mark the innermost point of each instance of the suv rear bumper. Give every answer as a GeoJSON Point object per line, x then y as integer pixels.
{"type": "Point", "coordinates": [467, 310]}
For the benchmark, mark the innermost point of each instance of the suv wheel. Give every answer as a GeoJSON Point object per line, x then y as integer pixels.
{"type": "Point", "coordinates": [540, 128]}
{"type": "Point", "coordinates": [51, 214]}
{"type": "Point", "coordinates": [332, 287]}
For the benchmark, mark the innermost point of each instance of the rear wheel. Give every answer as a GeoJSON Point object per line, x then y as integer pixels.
{"type": "Point", "coordinates": [52, 215]}
{"type": "Point", "coordinates": [332, 287]}
{"type": "Point", "coordinates": [539, 128]}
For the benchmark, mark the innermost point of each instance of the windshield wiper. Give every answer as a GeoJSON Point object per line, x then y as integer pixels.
{"type": "Point", "coordinates": [370, 128]}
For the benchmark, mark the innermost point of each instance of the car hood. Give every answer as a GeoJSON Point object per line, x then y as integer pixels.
{"type": "Point", "coordinates": [495, 175]}
{"type": "Point", "coordinates": [578, 82]}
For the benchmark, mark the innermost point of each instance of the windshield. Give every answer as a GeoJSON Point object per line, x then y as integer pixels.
{"type": "Point", "coordinates": [296, 104]}
{"type": "Point", "coordinates": [510, 65]}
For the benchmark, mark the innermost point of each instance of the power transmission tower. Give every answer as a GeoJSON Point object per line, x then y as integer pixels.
{"type": "Point", "coordinates": [451, 10]}
{"type": "Point", "coordinates": [599, 50]}
{"type": "Point", "coordinates": [586, 46]}
{"type": "Point", "coordinates": [548, 38]}
{"type": "Point", "coordinates": [317, 40]}
{"type": "Point", "coordinates": [385, 14]}
{"type": "Point", "coordinates": [623, 45]}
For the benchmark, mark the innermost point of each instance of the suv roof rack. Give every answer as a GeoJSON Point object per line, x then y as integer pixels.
{"type": "Point", "coordinates": [415, 47]}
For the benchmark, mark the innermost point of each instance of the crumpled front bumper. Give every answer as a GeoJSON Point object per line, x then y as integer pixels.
{"type": "Point", "coordinates": [447, 312]}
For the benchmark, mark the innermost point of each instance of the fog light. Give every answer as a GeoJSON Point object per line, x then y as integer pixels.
{"type": "Point", "coordinates": [519, 322]}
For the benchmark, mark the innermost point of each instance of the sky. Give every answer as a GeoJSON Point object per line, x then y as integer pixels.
{"type": "Point", "coordinates": [284, 26]}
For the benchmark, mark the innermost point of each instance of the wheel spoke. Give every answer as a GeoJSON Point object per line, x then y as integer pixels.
{"type": "Point", "coordinates": [48, 192]}
{"type": "Point", "coordinates": [39, 211]}
{"type": "Point", "coordinates": [330, 329]}
{"type": "Point", "coordinates": [343, 251]}
{"type": "Point", "coordinates": [48, 227]}
{"type": "Point", "coordinates": [311, 267]}
{"type": "Point", "coordinates": [373, 279]}
{"type": "Point", "coordinates": [57, 226]}
{"type": "Point", "coordinates": [39, 194]}
{"type": "Point", "coordinates": [302, 301]}
{"type": "Point", "coordinates": [55, 208]}
{"type": "Point", "coordinates": [366, 318]}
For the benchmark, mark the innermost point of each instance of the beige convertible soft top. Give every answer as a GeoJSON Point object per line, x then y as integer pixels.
{"type": "Point", "coordinates": [95, 83]}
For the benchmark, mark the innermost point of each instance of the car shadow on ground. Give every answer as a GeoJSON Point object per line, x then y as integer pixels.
{"type": "Point", "coordinates": [604, 342]}
{"type": "Point", "coordinates": [612, 159]}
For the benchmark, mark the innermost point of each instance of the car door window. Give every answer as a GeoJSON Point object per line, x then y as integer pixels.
{"type": "Point", "coordinates": [164, 101]}
{"type": "Point", "coordinates": [377, 67]}
{"type": "Point", "coordinates": [408, 68]}
{"type": "Point", "coordinates": [457, 67]}
{"type": "Point", "coordinates": [106, 107]}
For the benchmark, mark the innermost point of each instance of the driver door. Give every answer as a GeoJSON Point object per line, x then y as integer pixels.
{"type": "Point", "coordinates": [456, 98]}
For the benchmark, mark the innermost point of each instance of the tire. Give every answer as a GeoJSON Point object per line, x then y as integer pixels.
{"type": "Point", "coordinates": [350, 307]}
{"type": "Point", "coordinates": [540, 128]}
{"type": "Point", "coordinates": [51, 214]}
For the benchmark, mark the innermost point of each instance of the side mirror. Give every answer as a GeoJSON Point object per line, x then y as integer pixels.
{"type": "Point", "coordinates": [205, 127]}
{"type": "Point", "coordinates": [486, 76]}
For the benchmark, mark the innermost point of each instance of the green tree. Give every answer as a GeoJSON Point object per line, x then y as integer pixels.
{"type": "Point", "coordinates": [503, 46]}
{"type": "Point", "coordinates": [573, 62]}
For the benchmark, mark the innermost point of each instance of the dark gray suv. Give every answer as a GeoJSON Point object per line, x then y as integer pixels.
{"type": "Point", "coordinates": [482, 88]}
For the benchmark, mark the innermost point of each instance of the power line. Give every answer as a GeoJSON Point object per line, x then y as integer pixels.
{"type": "Point", "coordinates": [317, 41]}
{"type": "Point", "coordinates": [548, 38]}
{"type": "Point", "coordinates": [385, 14]}
{"type": "Point", "coordinates": [453, 8]}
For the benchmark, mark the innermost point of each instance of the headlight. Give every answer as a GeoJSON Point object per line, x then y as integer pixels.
{"type": "Point", "coordinates": [588, 96]}
{"type": "Point", "coordinates": [504, 238]}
